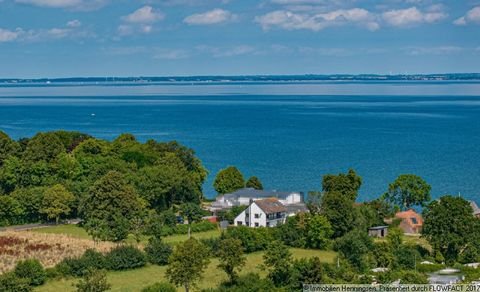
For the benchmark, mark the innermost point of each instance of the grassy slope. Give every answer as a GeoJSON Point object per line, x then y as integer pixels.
{"type": "Point", "coordinates": [78, 232]}
{"type": "Point", "coordinates": [135, 280]}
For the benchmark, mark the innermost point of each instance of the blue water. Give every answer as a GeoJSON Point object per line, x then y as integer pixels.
{"type": "Point", "coordinates": [288, 134]}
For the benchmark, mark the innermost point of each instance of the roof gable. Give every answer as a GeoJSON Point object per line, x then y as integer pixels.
{"type": "Point", "coordinates": [270, 205]}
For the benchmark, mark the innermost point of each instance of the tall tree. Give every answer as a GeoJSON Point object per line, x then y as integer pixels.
{"type": "Point", "coordinates": [450, 226]}
{"type": "Point", "coordinates": [187, 263]}
{"type": "Point", "coordinates": [279, 261]}
{"type": "Point", "coordinates": [7, 146]}
{"type": "Point", "coordinates": [355, 246]}
{"type": "Point", "coordinates": [43, 146]}
{"type": "Point", "coordinates": [110, 207]}
{"type": "Point", "coordinates": [228, 180]}
{"type": "Point", "coordinates": [318, 231]}
{"type": "Point", "coordinates": [56, 202]}
{"type": "Point", "coordinates": [254, 182]}
{"type": "Point", "coordinates": [192, 212]}
{"type": "Point", "coordinates": [231, 257]}
{"type": "Point", "coordinates": [347, 184]}
{"type": "Point", "coordinates": [339, 211]}
{"type": "Point", "coordinates": [409, 190]}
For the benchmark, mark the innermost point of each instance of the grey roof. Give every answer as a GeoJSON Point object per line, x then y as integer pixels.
{"type": "Point", "coordinates": [297, 208]}
{"type": "Point", "coordinates": [253, 193]}
{"type": "Point", "coordinates": [378, 228]}
{"type": "Point", "coordinates": [475, 208]}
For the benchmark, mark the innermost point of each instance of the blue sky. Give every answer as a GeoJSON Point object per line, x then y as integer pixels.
{"type": "Point", "coordinates": [59, 38]}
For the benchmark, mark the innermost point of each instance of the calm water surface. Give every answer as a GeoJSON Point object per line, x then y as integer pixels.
{"type": "Point", "coordinates": [288, 134]}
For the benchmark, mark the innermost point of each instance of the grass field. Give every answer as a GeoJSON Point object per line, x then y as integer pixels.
{"type": "Point", "coordinates": [135, 280]}
{"type": "Point", "coordinates": [79, 232]}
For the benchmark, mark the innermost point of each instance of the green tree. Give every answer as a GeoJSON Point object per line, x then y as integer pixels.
{"type": "Point", "coordinates": [192, 212]}
{"type": "Point", "coordinates": [7, 147]}
{"type": "Point", "coordinates": [228, 180]}
{"type": "Point", "coordinates": [254, 182]}
{"type": "Point", "coordinates": [187, 263]}
{"type": "Point", "coordinates": [450, 226]}
{"type": "Point", "coordinates": [318, 231]}
{"type": "Point", "coordinates": [409, 190]}
{"type": "Point", "coordinates": [355, 246]}
{"type": "Point", "coordinates": [346, 184]}
{"type": "Point", "coordinates": [43, 146]}
{"type": "Point", "coordinates": [395, 237]}
{"type": "Point", "coordinates": [11, 211]}
{"type": "Point", "coordinates": [278, 260]}
{"type": "Point", "coordinates": [56, 202]}
{"type": "Point", "coordinates": [31, 201]}
{"type": "Point", "coordinates": [339, 211]}
{"type": "Point", "coordinates": [110, 207]}
{"type": "Point", "coordinates": [231, 257]}
{"type": "Point", "coordinates": [93, 281]}
{"type": "Point", "coordinates": [306, 271]}
{"type": "Point", "coordinates": [383, 255]}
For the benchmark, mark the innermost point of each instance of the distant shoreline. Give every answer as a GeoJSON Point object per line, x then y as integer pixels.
{"type": "Point", "coordinates": [248, 78]}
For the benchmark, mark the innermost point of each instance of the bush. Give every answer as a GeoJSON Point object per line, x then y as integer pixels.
{"type": "Point", "coordinates": [125, 257]}
{"type": "Point", "coordinates": [93, 281]}
{"type": "Point", "coordinates": [212, 243]}
{"type": "Point", "coordinates": [78, 267]}
{"type": "Point", "coordinates": [32, 271]}
{"type": "Point", "coordinates": [248, 282]}
{"type": "Point", "coordinates": [157, 251]}
{"type": "Point", "coordinates": [160, 287]}
{"type": "Point", "coordinates": [253, 239]}
{"type": "Point", "coordinates": [11, 283]}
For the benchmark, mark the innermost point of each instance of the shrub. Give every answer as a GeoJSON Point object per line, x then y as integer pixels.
{"type": "Point", "coordinates": [93, 281]}
{"type": "Point", "coordinates": [11, 283]}
{"type": "Point", "coordinates": [160, 287]}
{"type": "Point", "coordinates": [212, 243]}
{"type": "Point", "coordinates": [125, 257]}
{"type": "Point", "coordinates": [253, 239]}
{"type": "Point", "coordinates": [157, 251]}
{"type": "Point", "coordinates": [32, 271]}
{"type": "Point", "coordinates": [78, 267]}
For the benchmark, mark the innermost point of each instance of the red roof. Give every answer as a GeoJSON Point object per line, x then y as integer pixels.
{"type": "Point", "coordinates": [410, 217]}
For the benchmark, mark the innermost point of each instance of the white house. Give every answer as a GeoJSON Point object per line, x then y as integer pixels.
{"type": "Point", "coordinates": [243, 197]}
{"type": "Point", "coordinates": [262, 213]}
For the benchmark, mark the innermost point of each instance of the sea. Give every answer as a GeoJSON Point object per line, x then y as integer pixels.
{"type": "Point", "coordinates": [289, 134]}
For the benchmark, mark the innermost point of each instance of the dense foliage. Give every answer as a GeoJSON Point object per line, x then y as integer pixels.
{"type": "Point", "coordinates": [125, 258]}
{"type": "Point", "coordinates": [39, 176]}
{"type": "Point", "coordinates": [228, 180]}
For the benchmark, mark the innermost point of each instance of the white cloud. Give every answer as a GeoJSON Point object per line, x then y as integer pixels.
{"type": "Point", "coordinates": [38, 35]}
{"type": "Point", "coordinates": [146, 14]}
{"type": "Point", "coordinates": [74, 23]}
{"type": "Point", "coordinates": [442, 50]}
{"type": "Point", "coordinates": [412, 16]}
{"type": "Point", "coordinates": [292, 21]}
{"type": "Point", "coordinates": [71, 4]}
{"type": "Point", "coordinates": [472, 16]}
{"type": "Point", "coordinates": [221, 52]}
{"type": "Point", "coordinates": [210, 17]}
{"type": "Point", "coordinates": [9, 35]}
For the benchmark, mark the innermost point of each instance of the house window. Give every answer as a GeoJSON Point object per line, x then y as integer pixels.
{"type": "Point", "coordinates": [257, 216]}
{"type": "Point", "coordinates": [239, 223]}
{"type": "Point", "coordinates": [256, 224]}
{"type": "Point", "coordinates": [268, 224]}
{"type": "Point", "coordinates": [414, 220]}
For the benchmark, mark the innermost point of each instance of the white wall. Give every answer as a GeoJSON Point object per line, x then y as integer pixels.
{"type": "Point", "coordinates": [251, 211]}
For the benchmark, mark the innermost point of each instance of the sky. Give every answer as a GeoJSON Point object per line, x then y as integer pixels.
{"type": "Point", "coordinates": [75, 38]}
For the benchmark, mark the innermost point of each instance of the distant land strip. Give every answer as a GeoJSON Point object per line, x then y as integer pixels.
{"type": "Point", "coordinates": [254, 78]}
